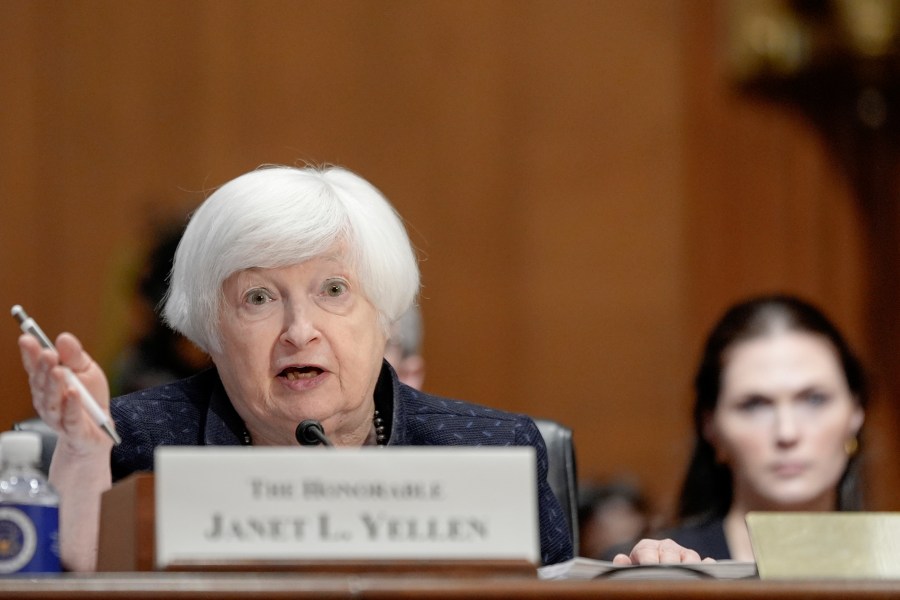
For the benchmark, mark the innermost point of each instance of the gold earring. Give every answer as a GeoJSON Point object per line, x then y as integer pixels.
{"type": "Point", "coordinates": [851, 446]}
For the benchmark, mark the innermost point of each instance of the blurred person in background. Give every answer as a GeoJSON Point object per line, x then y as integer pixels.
{"type": "Point", "coordinates": [159, 354]}
{"type": "Point", "coordinates": [780, 402]}
{"type": "Point", "coordinates": [611, 516]}
{"type": "Point", "coordinates": [404, 348]}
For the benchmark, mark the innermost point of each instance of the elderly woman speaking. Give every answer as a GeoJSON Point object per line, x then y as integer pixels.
{"type": "Point", "coordinates": [290, 279]}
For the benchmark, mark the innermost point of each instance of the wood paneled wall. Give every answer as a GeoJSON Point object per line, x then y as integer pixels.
{"type": "Point", "coordinates": [585, 191]}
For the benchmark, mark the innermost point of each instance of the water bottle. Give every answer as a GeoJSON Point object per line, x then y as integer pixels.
{"type": "Point", "coordinates": [29, 508]}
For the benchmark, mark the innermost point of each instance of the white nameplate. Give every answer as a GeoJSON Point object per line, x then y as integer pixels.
{"type": "Point", "coordinates": [283, 504]}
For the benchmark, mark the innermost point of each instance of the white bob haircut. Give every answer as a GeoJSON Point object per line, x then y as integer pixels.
{"type": "Point", "coordinates": [280, 216]}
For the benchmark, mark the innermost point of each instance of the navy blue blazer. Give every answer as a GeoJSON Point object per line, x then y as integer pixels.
{"type": "Point", "coordinates": [197, 412]}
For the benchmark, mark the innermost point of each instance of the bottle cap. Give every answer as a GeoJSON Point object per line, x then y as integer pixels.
{"type": "Point", "coordinates": [20, 448]}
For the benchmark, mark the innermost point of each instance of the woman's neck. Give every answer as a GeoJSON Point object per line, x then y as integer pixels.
{"type": "Point", "coordinates": [737, 535]}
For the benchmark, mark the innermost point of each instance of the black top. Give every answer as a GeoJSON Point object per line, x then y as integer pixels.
{"type": "Point", "coordinates": [197, 412]}
{"type": "Point", "coordinates": [707, 538]}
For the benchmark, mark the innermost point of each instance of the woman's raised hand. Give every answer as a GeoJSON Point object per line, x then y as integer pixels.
{"type": "Point", "coordinates": [56, 400]}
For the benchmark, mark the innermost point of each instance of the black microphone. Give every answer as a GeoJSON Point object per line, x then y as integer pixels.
{"type": "Point", "coordinates": [310, 433]}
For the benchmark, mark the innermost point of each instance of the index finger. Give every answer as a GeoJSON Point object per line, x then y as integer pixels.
{"type": "Point", "coordinates": [30, 350]}
{"type": "Point", "coordinates": [671, 552]}
{"type": "Point", "coordinates": [645, 552]}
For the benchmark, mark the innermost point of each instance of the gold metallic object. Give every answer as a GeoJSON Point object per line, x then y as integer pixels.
{"type": "Point", "coordinates": [851, 446]}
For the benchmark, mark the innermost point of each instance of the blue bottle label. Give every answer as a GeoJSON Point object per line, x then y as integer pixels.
{"type": "Point", "coordinates": [29, 539]}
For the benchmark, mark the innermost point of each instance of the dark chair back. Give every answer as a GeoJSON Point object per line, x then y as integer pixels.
{"type": "Point", "coordinates": [561, 473]}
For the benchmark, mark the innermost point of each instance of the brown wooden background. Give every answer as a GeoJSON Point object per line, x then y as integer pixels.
{"type": "Point", "coordinates": [586, 190]}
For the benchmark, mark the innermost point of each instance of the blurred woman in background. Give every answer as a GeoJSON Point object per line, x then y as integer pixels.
{"type": "Point", "coordinates": [779, 404]}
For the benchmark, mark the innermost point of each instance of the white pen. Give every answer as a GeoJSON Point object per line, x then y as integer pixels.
{"type": "Point", "coordinates": [29, 325]}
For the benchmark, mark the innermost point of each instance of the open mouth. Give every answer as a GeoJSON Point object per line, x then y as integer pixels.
{"type": "Point", "coordinates": [298, 373]}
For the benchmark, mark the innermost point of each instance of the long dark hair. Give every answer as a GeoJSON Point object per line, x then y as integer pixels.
{"type": "Point", "coordinates": [707, 489]}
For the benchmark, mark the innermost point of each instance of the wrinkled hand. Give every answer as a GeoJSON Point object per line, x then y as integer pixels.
{"type": "Point", "coordinates": [655, 552]}
{"type": "Point", "coordinates": [56, 401]}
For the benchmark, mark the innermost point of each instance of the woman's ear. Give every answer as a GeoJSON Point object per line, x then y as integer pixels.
{"type": "Point", "coordinates": [711, 435]}
{"type": "Point", "coordinates": [857, 418]}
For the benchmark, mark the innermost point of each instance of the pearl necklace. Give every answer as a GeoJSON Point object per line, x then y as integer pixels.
{"type": "Point", "coordinates": [380, 436]}
{"type": "Point", "coordinates": [377, 422]}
